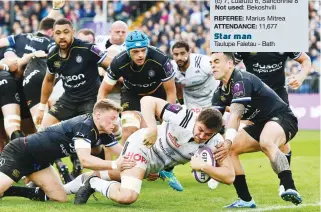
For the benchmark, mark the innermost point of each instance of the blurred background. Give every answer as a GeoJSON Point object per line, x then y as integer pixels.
{"type": "Point", "coordinates": [163, 21]}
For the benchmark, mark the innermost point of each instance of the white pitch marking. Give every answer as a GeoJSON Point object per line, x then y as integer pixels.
{"type": "Point", "coordinates": [272, 208]}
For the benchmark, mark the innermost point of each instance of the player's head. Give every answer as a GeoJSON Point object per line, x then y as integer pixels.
{"type": "Point", "coordinates": [180, 51]}
{"type": "Point", "coordinates": [222, 63]}
{"type": "Point", "coordinates": [86, 35]}
{"type": "Point", "coordinates": [136, 46]}
{"type": "Point", "coordinates": [105, 114]}
{"type": "Point", "coordinates": [208, 123]}
{"type": "Point", "coordinates": [63, 33]}
{"type": "Point", "coordinates": [46, 26]}
{"type": "Point", "coordinates": [118, 32]}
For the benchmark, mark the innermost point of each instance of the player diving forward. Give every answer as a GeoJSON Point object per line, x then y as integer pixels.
{"type": "Point", "coordinates": [157, 147]}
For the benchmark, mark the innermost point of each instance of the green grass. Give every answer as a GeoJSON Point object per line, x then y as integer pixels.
{"type": "Point", "coordinates": [263, 184]}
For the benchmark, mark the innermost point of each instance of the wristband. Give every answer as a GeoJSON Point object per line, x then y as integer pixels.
{"type": "Point", "coordinates": [114, 165]}
{"type": "Point", "coordinates": [230, 134]}
{"type": "Point", "coordinates": [41, 106]}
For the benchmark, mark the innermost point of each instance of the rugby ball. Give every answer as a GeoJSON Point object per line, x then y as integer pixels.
{"type": "Point", "coordinates": [206, 155]}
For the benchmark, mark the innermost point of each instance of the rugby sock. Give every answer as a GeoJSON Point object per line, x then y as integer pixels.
{"type": "Point", "coordinates": [288, 157]}
{"type": "Point", "coordinates": [104, 175]}
{"type": "Point", "coordinates": [30, 193]}
{"type": "Point", "coordinates": [241, 188]}
{"type": "Point", "coordinates": [101, 186]}
{"type": "Point", "coordinates": [16, 134]}
{"type": "Point", "coordinates": [286, 179]}
{"type": "Point", "coordinates": [73, 186]}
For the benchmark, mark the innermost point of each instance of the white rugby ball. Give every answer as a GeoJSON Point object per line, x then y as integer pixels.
{"type": "Point", "coordinates": [206, 155]}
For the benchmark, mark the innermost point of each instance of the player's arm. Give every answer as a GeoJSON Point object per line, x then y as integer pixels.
{"type": "Point", "coordinates": [109, 142]}
{"type": "Point", "coordinates": [169, 81]}
{"type": "Point", "coordinates": [27, 57]}
{"type": "Point", "coordinates": [179, 93]}
{"type": "Point", "coordinates": [56, 6]}
{"type": "Point", "coordinates": [295, 81]}
{"type": "Point", "coordinates": [110, 80]}
{"type": "Point", "coordinates": [170, 90]}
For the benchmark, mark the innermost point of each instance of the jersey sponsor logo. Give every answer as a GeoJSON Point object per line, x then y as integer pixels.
{"type": "Point", "coordinates": [95, 49]}
{"type": "Point", "coordinates": [64, 150]}
{"type": "Point", "coordinates": [72, 77]}
{"type": "Point", "coordinates": [2, 82]}
{"type": "Point", "coordinates": [253, 114]}
{"type": "Point", "coordinates": [78, 59]}
{"type": "Point", "coordinates": [30, 48]}
{"type": "Point", "coordinates": [27, 79]}
{"type": "Point", "coordinates": [266, 68]}
{"type": "Point", "coordinates": [17, 97]}
{"type": "Point", "coordinates": [140, 85]}
{"type": "Point", "coordinates": [35, 38]}
{"type": "Point", "coordinates": [238, 89]}
{"type": "Point", "coordinates": [2, 161]}
{"type": "Point", "coordinates": [173, 108]}
{"type": "Point", "coordinates": [57, 64]}
{"type": "Point", "coordinates": [173, 140]}
{"type": "Point", "coordinates": [137, 157]}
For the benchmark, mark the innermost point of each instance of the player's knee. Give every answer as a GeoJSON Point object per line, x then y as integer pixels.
{"type": "Point", "coordinates": [128, 198]}
{"type": "Point", "coordinates": [59, 198]}
{"type": "Point", "coordinates": [266, 145]}
{"type": "Point", "coordinates": [127, 131]}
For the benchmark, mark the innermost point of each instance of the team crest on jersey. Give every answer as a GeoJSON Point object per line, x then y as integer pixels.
{"type": "Point", "coordinates": [223, 99]}
{"type": "Point", "coordinates": [57, 64]}
{"type": "Point", "coordinates": [151, 73]}
{"type": "Point", "coordinates": [78, 59]}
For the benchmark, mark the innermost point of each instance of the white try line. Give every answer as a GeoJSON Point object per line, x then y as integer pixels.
{"type": "Point", "coordinates": [272, 208]}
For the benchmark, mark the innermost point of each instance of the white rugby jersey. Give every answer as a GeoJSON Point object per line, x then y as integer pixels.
{"type": "Point", "coordinates": [174, 144]}
{"type": "Point", "coordinates": [198, 81]}
{"type": "Point", "coordinates": [101, 41]}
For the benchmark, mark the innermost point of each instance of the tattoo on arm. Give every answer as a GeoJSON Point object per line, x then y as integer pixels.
{"type": "Point", "coordinates": [237, 109]}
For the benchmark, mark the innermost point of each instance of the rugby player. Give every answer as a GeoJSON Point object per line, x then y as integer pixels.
{"type": "Point", "coordinates": [76, 63]}
{"type": "Point", "coordinates": [31, 156]}
{"type": "Point", "coordinates": [274, 125]}
{"type": "Point", "coordinates": [270, 68]}
{"type": "Point", "coordinates": [194, 81]}
{"type": "Point", "coordinates": [146, 71]}
{"type": "Point", "coordinates": [167, 145]}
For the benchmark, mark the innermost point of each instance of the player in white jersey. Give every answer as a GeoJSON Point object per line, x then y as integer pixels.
{"type": "Point", "coordinates": [193, 77]}
{"type": "Point", "coordinates": [163, 146]}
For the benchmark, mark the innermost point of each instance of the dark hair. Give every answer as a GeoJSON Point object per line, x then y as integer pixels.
{"type": "Point", "coordinates": [229, 55]}
{"type": "Point", "coordinates": [46, 23]}
{"type": "Point", "coordinates": [181, 44]}
{"type": "Point", "coordinates": [211, 118]}
{"type": "Point", "coordinates": [86, 31]}
{"type": "Point", "coordinates": [63, 21]}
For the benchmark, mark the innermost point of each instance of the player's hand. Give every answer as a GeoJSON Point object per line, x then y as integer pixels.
{"type": "Point", "coordinates": [222, 150]}
{"type": "Point", "coordinates": [196, 163]}
{"type": "Point", "coordinates": [153, 176]}
{"type": "Point", "coordinates": [58, 4]}
{"type": "Point", "coordinates": [124, 163]}
{"type": "Point", "coordinates": [295, 81]}
{"type": "Point", "coordinates": [40, 54]}
{"type": "Point", "coordinates": [150, 137]}
{"type": "Point", "coordinates": [39, 117]}
{"type": "Point", "coordinates": [13, 64]}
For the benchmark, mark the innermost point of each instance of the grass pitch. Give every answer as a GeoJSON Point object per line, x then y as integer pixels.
{"type": "Point", "coordinates": [262, 181]}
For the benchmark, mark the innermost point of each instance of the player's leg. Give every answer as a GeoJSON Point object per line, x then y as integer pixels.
{"type": "Point", "coordinates": [48, 180]}
{"type": "Point", "coordinates": [62, 110]}
{"type": "Point", "coordinates": [5, 180]}
{"type": "Point", "coordinates": [12, 120]}
{"type": "Point", "coordinates": [244, 143]}
{"type": "Point", "coordinates": [275, 134]}
{"type": "Point", "coordinates": [130, 121]}
{"type": "Point", "coordinates": [3, 135]}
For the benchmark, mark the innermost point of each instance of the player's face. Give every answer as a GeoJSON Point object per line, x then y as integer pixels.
{"type": "Point", "coordinates": [138, 55]}
{"type": "Point", "coordinates": [202, 133]}
{"type": "Point", "coordinates": [63, 35]}
{"type": "Point", "coordinates": [220, 65]}
{"type": "Point", "coordinates": [180, 56]}
{"type": "Point", "coordinates": [107, 120]}
{"type": "Point", "coordinates": [118, 34]}
{"type": "Point", "coordinates": [87, 38]}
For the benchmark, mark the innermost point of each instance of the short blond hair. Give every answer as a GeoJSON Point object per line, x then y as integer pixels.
{"type": "Point", "coordinates": [107, 104]}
